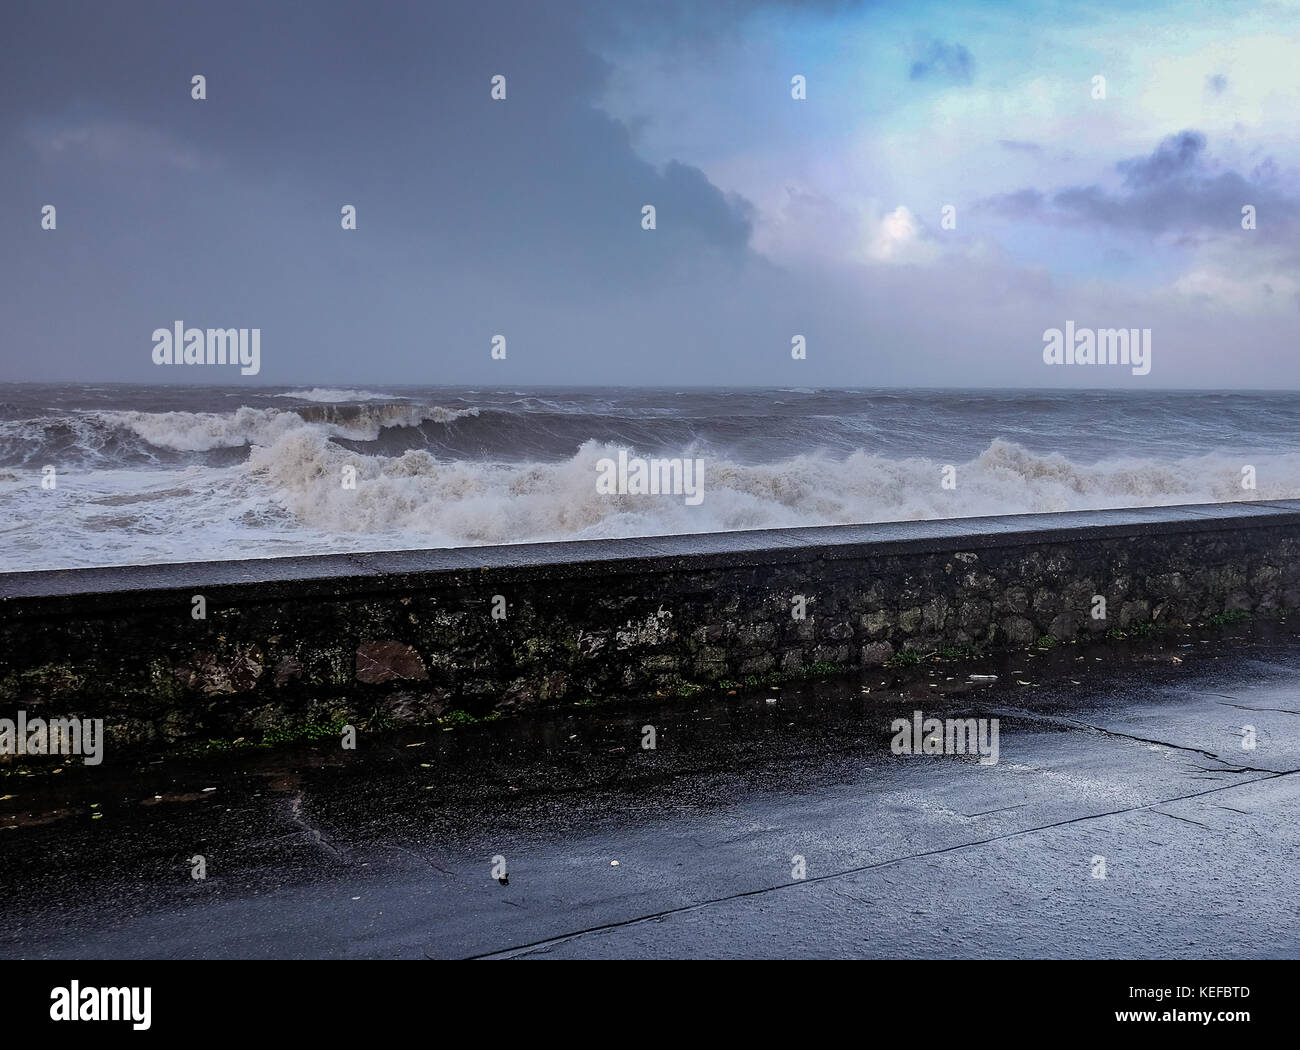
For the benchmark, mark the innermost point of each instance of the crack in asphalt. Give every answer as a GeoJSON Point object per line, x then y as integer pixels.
{"type": "Point", "coordinates": [1061, 720]}
{"type": "Point", "coordinates": [314, 835]}
{"type": "Point", "coordinates": [1172, 816]}
{"type": "Point", "coordinates": [421, 857]}
{"type": "Point", "coordinates": [1245, 707]}
{"type": "Point", "coordinates": [1145, 740]}
{"type": "Point", "coordinates": [520, 950]}
{"type": "Point", "coordinates": [1000, 809]}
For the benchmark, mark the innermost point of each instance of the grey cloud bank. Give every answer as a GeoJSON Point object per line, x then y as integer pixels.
{"type": "Point", "coordinates": [522, 217]}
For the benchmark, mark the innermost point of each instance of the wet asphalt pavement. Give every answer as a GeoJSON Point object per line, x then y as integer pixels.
{"type": "Point", "coordinates": [1131, 752]}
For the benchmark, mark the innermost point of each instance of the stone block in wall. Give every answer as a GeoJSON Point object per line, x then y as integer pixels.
{"type": "Point", "coordinates": [1016, 598]}
{"type": "Point", "coordinates": [875, 653]}
{"type": "Point", "coordinates": [973, 615]}
{"type": "Point", "coordinates": [758, 664]}
{"type": "Point", "coordinates": [934, 614]}
{"type": "Point", "coordinates": [1064, 627]}
{"type": "Point", "coordinates": [709, 670]}
{"type": "Point", "coordinates": [1046, 603]}
{"type": "Point", "coordinates": [1134, 612]}
{"type": "Point", "coordinates": [792, 660]}
{"type": "Point", "coordinates": [287, 669]}
{"type": "Point", "coordinates": [839, 632]}
{"type": "Point", "coordinates": [413, 707]}
{"type": "Point", "coordinates": [386, 660]}
{"type": "Point", "coordinates": [877, 623]}
{"type": "Point", "coordinates": [831, 654]}
{"type": "Point", "coordinates": [909, 620]}
{"type": "Point", "coordinates": [553, 687]}
{"type": "Point", "coordinates": [1016, 630]}
{"type": "Point", "coordinates": [235, 669]}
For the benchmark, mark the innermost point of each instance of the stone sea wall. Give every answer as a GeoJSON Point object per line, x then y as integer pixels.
{"type": "Point", "coordinates": [474, 633]}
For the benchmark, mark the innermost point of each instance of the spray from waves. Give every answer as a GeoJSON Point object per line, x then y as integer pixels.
{"type": "Point", "coordinates": [330, 395]}
{"type": "Point", "coordinates": [364, 423]}
{"type": "Point", "coordinates": [428, 501]}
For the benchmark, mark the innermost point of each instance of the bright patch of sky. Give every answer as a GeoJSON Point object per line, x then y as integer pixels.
{"type": "Point", "coordinates": [919, 106]}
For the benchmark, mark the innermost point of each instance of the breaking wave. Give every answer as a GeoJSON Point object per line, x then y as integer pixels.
{"type": "Point", "coordinates": [331, 395]}
{"type": "Point", "coordinates": [130, 438]}
{"type": "Point", "coordinates": [463, 502]}
{"type": "Point", "coordinates": [201, 431]}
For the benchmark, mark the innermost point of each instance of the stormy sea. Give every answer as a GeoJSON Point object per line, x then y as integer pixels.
{"type": "Point", "coordinates": [118, 474]}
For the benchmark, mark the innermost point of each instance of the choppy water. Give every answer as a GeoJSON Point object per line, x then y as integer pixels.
{"type": "Point", "coordinates": [149, 474]}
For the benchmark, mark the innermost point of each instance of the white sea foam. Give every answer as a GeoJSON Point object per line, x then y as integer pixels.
{"type": "Point", "coordinates": [288, 499]}
{"type": "Point", "coordinates": [204, 431]}
{"type": "Point", "coordinates": [465, 502]}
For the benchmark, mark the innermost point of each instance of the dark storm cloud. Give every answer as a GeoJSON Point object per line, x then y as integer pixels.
{"type": "Point", "coordinates": [692, 23]}
{"type": "Point", "coordinates": [391, 105]}
{"type": "Point", "coordinates": [473, 214]}
{"type": "Point", "coordinates": [1173, 189]}
{"type": "Point", "coordinates": [1175, 158]}
{"type": "Point", "coordinates": [942, 61]}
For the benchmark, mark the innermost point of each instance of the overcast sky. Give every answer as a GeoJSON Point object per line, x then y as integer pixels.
{"type": "Point", "coordinates": [775, 216]}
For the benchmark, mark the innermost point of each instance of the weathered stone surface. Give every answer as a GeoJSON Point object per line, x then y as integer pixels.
{"type": "Point", "coordinates": [973, 615]}
{"type": "Point", "coordinates": [836, 655]}
{"type": "Point", "coordinates": [710, 670]}
{"type": "Point", "coordinates": [839, 632]}
{"type": "Point", "coordinates": [414, 640]}
{"type": "Point", "coordinates": [1018, 631]}
{"type": "Point", "coordinates": [876, 653]}
{"type": "Point", "coordinates": [1064, 627]}
{"type": "Point", "coordinates": [288, 669]}
{"type": "Point", "coordinates": [235, 670]}
{"type": "Point", "coordinates": [413, 708]}
{"type": "Point", "coordinates": [878, 622]}
{"type": "Point", "coordinates": [386, 660]}
{"type": "Point", "coordinates": [934, 613]}
{"type": "Point", "coordinates": [553, 687]}
{"type": "Point", "coordinates": [792, 660]}
{"type": "Point", "coordinates": [1134, 612]}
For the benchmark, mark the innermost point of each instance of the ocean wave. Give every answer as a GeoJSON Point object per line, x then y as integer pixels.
{"type": "Point", "coordinates": [330, 395]}
{"type": "Point", "coordinates": [204, 431]}
{"type": "Point", "coordinates": [110, 439]}
{"type": "Point", "coordinates": [80, 441]}
{"type": "Point", "coordinates": [463, 502]}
